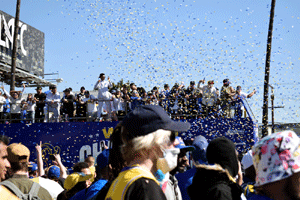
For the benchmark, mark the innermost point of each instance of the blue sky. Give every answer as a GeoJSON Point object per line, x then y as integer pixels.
{"type": "Point", "coordinates": [155, 42]}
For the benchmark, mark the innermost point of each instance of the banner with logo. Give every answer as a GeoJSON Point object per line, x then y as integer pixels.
{"type": "Point", "coordinates": [74, 141]}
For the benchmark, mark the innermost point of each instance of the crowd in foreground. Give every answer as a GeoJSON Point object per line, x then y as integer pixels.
{"type": "Point", "coordinates": [113, 102]}
{"type": "Point", "coordinates": [147, 161]}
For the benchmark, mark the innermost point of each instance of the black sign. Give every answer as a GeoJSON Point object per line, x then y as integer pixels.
{"type": "Point", "coordinates": [30, 48]}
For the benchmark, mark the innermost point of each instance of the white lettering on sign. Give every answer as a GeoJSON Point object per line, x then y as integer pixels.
{"type": "Point", "coordinates": [8, 31]}
{"type": "Point", "coordinates": [95, 150]}
{"type": "Point", "coordinates": [234, 132]}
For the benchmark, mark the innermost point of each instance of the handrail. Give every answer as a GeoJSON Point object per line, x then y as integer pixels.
{"type": "Point", "coordinates": [164, 102]}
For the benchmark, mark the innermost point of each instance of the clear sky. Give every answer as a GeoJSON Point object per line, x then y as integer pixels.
{"type": "Point", "coordinates": [152, 42]}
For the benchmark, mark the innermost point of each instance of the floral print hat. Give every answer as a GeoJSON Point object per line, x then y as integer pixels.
{"type": "Point", "coordinates": [276, 157]}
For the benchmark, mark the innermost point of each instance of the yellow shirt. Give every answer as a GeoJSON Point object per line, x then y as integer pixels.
{"type": "Point", "coordinates": [118, 188]}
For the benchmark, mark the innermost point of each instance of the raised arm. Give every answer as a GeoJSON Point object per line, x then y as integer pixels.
{"type": "Point", "coordinates": [63, 170]}
{"type": "Point", "coordinates": [39, 158]}
{"type": "Point", "coordinates": [251, 94]}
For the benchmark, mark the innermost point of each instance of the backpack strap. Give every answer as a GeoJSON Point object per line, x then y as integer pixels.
{"type": "Point", "coordinates": [13, 188]}
{"type": "Point", "coordinates": [34, 190]}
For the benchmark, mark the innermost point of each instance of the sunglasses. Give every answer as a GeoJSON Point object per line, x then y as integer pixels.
{"type": "Point", "coordinates": [173, 136]}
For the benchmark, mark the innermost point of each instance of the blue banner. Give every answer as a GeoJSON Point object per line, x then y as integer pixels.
{"type": "Point", "coordinates": [74, 141]}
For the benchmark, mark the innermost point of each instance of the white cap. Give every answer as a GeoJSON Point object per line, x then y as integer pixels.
{"type": "Point", "coordinates": [247, 160]}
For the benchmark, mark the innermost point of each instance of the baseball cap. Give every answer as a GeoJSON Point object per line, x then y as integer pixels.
{"type": "Point", "coordinates": [226, 80]}
{"type": "Point", "coordinates": [181, 144]}
{"type": "Point", "coordinates": [75, 178]}
{"type": "Point", "coordinates": [32, 167]}
{"type": "Point", "coordinates": [247, 160]}
{"type": "Point", "coordinates": [276, 157]}
{"type": "Point", "coordinates": [210, 82]}
{"type": "Point", "coordinates": [102, 159]}
{"type": "Point", "coordinates": [17, 152]}
{"type": "Point", "coordinates": [146, 119]}
{"type": "Point", "coordinates": [38, 88]}
{"type": "Point", "coordinates": [54, 171]}
{"type": "Point", "coordinates": [67, 90]}
{"type": "Point", "coordinates": [199, 154]}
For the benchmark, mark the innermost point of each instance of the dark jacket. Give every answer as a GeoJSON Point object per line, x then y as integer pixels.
{"type": "Point", "coordinates": [213, 182]}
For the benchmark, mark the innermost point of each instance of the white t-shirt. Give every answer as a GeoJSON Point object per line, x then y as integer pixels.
{"type": "Point", "coordinates": [91, 106]}
{"type": "Point", "coordinates": [51, 186]}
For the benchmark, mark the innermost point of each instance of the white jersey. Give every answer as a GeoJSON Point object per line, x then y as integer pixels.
{"type": "Point", "coordinates": [102, 87]}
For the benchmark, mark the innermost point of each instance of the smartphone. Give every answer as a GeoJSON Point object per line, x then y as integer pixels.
{"type": "Point", "coordinates": [51, 157]}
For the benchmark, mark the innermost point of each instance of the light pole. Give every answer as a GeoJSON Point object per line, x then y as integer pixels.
{"type": "Point", "coordinates": [14, 50]}
{"type": "Point", "coordinates": [267, 72]}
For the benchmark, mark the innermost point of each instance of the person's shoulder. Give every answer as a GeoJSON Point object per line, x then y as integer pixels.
{"type": "Point", "coordinates": [144, 188]}
{"type": "Point", "coordinates": [44, 194]}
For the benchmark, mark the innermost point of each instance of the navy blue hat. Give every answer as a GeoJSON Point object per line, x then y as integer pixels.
{"type": "Point", "coordinates": [32, 167]}
{"type": "Point", "coordinates": [102, 159]}
{"type": "Point", "coordinates": [54, 171]}
{"type": "Point", "coordinates": [146, 119]}
{"type": "Point", "coordinates": [199, 154]}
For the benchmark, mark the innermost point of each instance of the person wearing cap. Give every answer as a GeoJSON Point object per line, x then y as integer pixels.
{"type": "Point", "coordinates": [176, 100]}
{"type": "Point", "coordinates": [39, 98]}
{"type": "Point", "coordinates": [238, 105]}
{"type": "Point", "coordinates": [53, 187]}
{"type": "Point", "coordinates": [18, 156]}
{"type": "Point", "coordinates": [135, 99]}
{"type": "Point", "coordinates": [90, 101]}
{"type": "Point", "coordinates": [249, 174]}
{"type": "Point", "coordinates": [217, 180]}
{"type": "Point", "coordinates": [118, 104]}
{"type": "Point", "coordinates": [209, 98]}
{"type": "Point", "coordinates": [276, 160]}
{"type": "Point", "coordinates": [148, 136]}
{"type": "Point", "coordinates": [32, 170]}
{"type": "Point", "coordinates": [80, 105]}
{"type": "Point", "coordinates": [77, 181]}
{"type": "Point", "coordinates": [198, 157]}
{"type": "Point", "coordinates": [68, 105]}
{"type": "Point", "coordinates": [53, 104]}
{"type": "Point", "coordinates": [227, 93]}
{"type": "Point", "coordinates": [166, 90]}
{"type": "Point", "coordinates": [192, 95]}
{"type": "Point", "coordinates": [15, 98]}
{"type": "Point", "coordinates": [97, 188]}
{"type": "Point", "coordinates": [172, 190]}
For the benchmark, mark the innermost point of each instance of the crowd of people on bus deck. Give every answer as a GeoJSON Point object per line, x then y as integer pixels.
{"type": "Point", "coordinates": [194, 101]}
{"type": "Point", "coordinates": [149, 162]}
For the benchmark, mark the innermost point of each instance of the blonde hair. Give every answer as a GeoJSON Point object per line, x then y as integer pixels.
{"type": "Point", "coordinates": [140, 146]}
